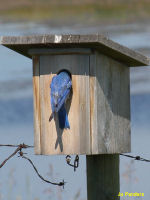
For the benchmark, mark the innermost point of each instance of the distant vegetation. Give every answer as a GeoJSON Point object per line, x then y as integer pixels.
{"type": "Point", "coordinates": [68, 11]}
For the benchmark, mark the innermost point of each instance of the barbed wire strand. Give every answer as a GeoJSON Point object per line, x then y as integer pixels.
{"type": "Point", "coordinates": [12, 145]}
{"type": "Point", "coordinates": [135, 157]}
{"type": "Point", "coordinates": [21, 154]}
{"type": "Point", "coordinates": [68, 160]}
{"type": "Point", "coordinates": [59, 184]}
{"type": "Point", "coordinates": [14, 153]}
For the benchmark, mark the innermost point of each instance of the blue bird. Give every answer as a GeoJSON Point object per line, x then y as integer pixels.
{"type": "Point", "coordinates": [60, 89]}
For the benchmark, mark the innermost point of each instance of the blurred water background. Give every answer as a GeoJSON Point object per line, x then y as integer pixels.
{"type": "Point", "coordinates": [17, 178]}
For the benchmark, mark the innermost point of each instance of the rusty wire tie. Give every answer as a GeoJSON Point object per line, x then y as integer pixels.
{"type": "Point", "coordinates": [76, 162]}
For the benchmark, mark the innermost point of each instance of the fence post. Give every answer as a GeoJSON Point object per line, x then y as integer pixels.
{"type": "Point", "coordinates": [103, 181]}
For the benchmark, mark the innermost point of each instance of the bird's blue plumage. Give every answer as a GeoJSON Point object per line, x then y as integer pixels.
{"type": "Point", "coordinates": [60, 89]}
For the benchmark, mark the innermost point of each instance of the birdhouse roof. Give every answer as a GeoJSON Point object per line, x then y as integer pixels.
{"type": "Point", "coordinates": [106, 46]}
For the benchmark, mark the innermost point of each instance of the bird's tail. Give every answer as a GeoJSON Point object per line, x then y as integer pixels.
{"type": "Point", "coordinates": [63, 118]}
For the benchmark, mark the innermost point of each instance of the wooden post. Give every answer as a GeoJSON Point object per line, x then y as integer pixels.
{"type": "Point", "coordinates": [103, 177]}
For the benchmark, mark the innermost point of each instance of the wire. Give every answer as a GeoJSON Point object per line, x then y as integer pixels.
{"type": "Point", "coordinates": [135, 157]}
{"type": "Point", "coordinates": [21, 154]}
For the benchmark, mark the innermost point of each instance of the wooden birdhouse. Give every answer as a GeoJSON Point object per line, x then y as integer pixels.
{"type": "Point", "coordinates": [99, 107]}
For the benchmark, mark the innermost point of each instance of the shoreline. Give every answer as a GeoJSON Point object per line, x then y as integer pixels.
{"type": "Point", "coordinates": [87, 12]}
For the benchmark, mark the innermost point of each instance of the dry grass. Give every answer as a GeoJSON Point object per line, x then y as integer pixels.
{"type": "Point", "coordinates": [80, 11]}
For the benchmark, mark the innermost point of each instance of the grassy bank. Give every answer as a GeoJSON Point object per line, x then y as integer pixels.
{"type": "Point", "coordinates": [85, 11]}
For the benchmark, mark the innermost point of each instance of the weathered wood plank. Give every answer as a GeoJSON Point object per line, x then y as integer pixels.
{"type": "Point", "coordinates": [110, 99]}
{"type": "Point", "coordinates": [77, 139]}
{"type": "Point", "coordinates": [36, 104]}
{"type": "Point", "coordinates": [58, 51]}
{"type": "Point", "coordinates": [103, 181]}
{"type": "Point", "coordinates": [93, 105]}
{"type": "Point", "coordinates": [95, 41]}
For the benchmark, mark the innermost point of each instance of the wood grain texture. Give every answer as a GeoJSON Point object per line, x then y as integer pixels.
{"type": "Point", "coordinates": [98, 110]}
{"type": "Point", "coordinates": [103, 181]}
{"type": "Point", "coordinates": [110, 105]}
{"type": "Point", "coordinates": [95, 41]}
{"type": "Point", "coordinates": [77, 139]}
{"type": "Point", "coordinates": [36, 104]}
